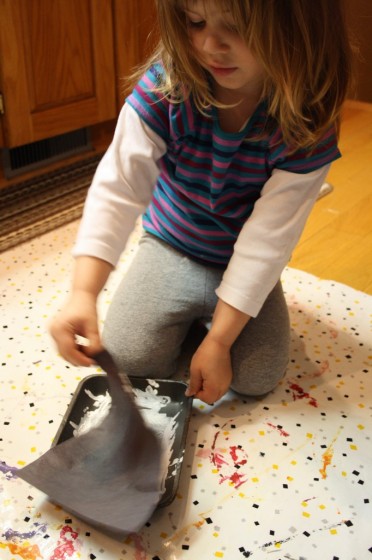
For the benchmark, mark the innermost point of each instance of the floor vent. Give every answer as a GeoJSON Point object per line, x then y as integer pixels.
{"type": "Point", "coordinates": [37, 154]}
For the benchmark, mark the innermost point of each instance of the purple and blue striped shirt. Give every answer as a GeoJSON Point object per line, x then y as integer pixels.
{"type": "Point", "coordinates": [209, 179]}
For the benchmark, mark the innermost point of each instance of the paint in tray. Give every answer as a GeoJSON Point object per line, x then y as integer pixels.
{"type": "Point", "coordinates": [163, 405]}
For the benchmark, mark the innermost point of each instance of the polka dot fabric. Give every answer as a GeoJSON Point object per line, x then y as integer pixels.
{"type": "Point", "coordinates": [287, 476]}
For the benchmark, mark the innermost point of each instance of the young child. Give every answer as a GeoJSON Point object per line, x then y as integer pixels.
{"type": "Point", "coordinates": [223, 144]}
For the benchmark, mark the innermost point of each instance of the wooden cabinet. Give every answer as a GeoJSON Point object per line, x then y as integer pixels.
{"type": "Point", "coordinates": [57, 68]}
{"type": "Point", "coordinates": [360, 23]}
{"type": "Point", "coordinates": [61, 62]}
{"type": "Point", "coordinates": [135, 33]}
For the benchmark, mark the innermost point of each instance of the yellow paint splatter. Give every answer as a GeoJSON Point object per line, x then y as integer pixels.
{"type": "Point", "coordinates": [327, 459]}
{"type": "Point", "coordinates": [25, 550]}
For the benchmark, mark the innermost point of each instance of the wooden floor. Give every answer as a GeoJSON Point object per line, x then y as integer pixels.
{"type": "Point", "coordinates": [337, 241]}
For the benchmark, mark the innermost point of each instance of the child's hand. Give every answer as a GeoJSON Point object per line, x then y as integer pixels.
{"type": "Point", "coordinates": [210, 371]}
{"type": "Point", "coordinates": [77, 318]}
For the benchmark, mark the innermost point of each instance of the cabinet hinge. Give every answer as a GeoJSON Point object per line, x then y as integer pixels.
{"type": "Point", "coordinates": [2, 110]}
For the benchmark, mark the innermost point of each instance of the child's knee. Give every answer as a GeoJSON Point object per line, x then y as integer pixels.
{"type": "Point", "coordinates": [257, 384]}
{"type": "Point", "coordinates": [140, 358]}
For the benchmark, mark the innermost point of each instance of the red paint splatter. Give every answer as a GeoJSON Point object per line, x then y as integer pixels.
{"type": "Point", "coordinates": [215, 439]}
{"type": "Point", "coordinates": [140, 551]}
{"type": "Point", "coordinates": [333, 333]}
{"type": "Point", "coordinates": [66, 544]}
{"type": "Point", "coordinates": [238, 457]}
{"type": "Point", "coordinates": [233, 453]}
{"type": "Point", "coordinates": [203, 453]}
{"type": "Point", "coordinates": [324, 367]}
{"type": "Point", "coordinates": [226, 460]}
{"type": "Point", "coordinates": [234, 450]}
{"type": "Point", "coordinates": [299, 393]}
{"type": "Point", "coordinates": [218, 460]}
{"type": "Point", "coordinates": [216, 457]}
{"type": "Point", "coordinates": [280, 430]}
{"type": "Point", "coordinates": [235, 478]}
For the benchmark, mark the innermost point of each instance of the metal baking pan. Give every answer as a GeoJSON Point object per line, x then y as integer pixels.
{"type": "Point", "coordinates": [179, 405]}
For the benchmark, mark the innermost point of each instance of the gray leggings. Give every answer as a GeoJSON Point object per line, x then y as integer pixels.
{"type": "Point", "coordinates": [159, 299]}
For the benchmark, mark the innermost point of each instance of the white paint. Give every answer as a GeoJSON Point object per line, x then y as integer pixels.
{"type": "Point", "coordinates": [93, 417]}
{"type": "Point", "coordinates": [151, 406]}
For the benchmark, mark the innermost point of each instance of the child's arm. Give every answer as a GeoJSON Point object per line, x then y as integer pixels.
{"type": "Point", "coordinates": [261, 251]}
{"type": "Point", "coordinates": [210, 369]}
{"type": "Point", "coordinates": [120, 191]}
{"type": "Point", "coordinates": [79, 315]}
{"type": "Point", "coordinates": [267, 239]}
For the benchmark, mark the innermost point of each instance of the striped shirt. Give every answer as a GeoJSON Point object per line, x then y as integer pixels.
{"type": "Point", "coordinates": [209, 179]}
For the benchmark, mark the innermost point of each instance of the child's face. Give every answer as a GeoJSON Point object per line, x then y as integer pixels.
{"type": "Point", "coordinates": [221, 50]}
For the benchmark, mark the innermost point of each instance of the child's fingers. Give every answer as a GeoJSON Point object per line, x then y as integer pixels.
{"type": "Point", "coordinates": [209, 396]}
{"type": "Point", "coordinates": [195, 384]}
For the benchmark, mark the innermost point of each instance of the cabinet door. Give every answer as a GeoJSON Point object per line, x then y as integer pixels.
{"type": "Point", "coordinates": [360, 23]}
{"type": "Point", "coordinates": [57, 67]}
{"type": "Point", "coordinates": [135, 35]}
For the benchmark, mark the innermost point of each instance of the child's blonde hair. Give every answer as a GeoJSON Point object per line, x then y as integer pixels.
{"type": "Point", "coordinates": [303, 46]}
